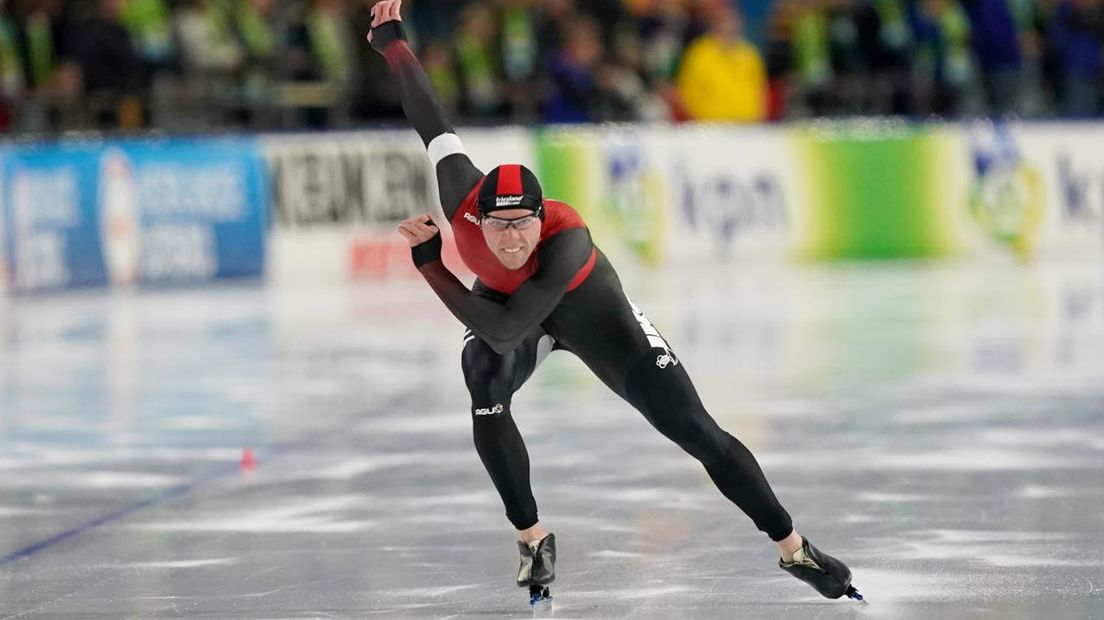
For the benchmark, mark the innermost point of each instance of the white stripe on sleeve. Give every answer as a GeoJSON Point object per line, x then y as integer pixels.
{"type": "Point", "coordinates": [444, 145]}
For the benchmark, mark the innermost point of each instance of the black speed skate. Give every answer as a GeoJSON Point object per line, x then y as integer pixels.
{"type": "Point", "coordinates": [538, 568]}
{"type": "Point", "coordinates": [825, 573]}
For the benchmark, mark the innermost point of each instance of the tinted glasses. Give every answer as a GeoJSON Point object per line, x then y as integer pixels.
{"type": "Point", "coordinates": [520, 223]}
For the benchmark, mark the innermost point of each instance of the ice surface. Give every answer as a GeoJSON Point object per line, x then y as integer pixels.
{"type": "Point", "coordinates": [936, 425]}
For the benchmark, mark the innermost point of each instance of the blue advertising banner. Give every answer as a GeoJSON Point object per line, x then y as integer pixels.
{"type": "Point", "coordinates": [52, 234]}
{"type": "Point", "coordinates": [201, 208]}
{"type": "Point", "coordinates": [126, 212]}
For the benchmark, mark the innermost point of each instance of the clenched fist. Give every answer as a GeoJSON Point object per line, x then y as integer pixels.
{"type": "Point", "coordinates": [424, 238]}
{"type": "Point", "coordinates": [386, 24]}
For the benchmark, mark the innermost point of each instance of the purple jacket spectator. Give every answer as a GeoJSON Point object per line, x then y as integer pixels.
{"type": "Point", "coordinates": [572, 94]}
{"type": "Point", "coordinates": [994, 36]}
{"type": "Point", "coordinates": [1076, 35]}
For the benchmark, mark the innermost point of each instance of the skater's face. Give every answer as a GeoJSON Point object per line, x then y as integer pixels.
{"type": "Point", "coordinates": [512, 235]}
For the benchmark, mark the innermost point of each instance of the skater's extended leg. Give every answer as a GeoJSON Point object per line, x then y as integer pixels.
{"type": "Point", "coordinates": [662, 391]}
{"type": "Point", "coordinates": [667, 398]}
{"type": "Point", "coordinates": [664, 394]}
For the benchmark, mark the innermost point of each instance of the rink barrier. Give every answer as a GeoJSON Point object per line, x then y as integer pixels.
{"type": "Point", "coordinates": [119, 212]}
{"type": "Point", "coordinates": [827, 191]}
{"type": "Point", "coordinates": [126, 212]}
{"type": "Point", "coordinates": [337, 198]}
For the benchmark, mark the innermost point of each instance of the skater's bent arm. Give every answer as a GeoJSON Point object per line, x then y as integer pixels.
{"type": "Point", "coordinates": [456, 175]}
{"type": "Point", "coordinates": [505, 326]}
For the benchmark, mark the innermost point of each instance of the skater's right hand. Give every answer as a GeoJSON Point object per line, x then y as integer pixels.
{"type": "Point", "coordinates": [383, 31]}
{"type": "Point", "coordinates": [424, 238]}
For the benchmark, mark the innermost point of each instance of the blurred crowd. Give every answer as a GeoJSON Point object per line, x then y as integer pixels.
{"type": "Point", "coordinates": [192, 65]}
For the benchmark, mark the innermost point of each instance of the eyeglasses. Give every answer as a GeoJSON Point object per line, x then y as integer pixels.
{"type": "Point", "coordinates": [520, 223]}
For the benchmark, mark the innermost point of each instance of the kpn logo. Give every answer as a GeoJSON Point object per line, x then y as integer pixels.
{"type": "Point", "coordinates": [1006, 197]}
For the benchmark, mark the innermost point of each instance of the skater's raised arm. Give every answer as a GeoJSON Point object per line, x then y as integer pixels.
{"type": "Point", "coordinates": [502, 326]}
{"type": "Point", "coordinates": [456, 175]}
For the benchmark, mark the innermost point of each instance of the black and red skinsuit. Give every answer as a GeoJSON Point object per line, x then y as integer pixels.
{"type": "Point", "coordinates": [567, 297]}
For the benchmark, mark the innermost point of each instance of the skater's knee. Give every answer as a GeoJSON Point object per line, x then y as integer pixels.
{"type": "Point", "coordinates": [488, 375]}
{"type": "Point", "coordinates": [697, 434]}
{"type": "Point", "coordinates": [669, 401]}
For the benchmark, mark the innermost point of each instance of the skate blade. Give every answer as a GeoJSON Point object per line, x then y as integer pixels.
{"type": "Point", "coordinates": [539, 598]}
{"type": "Point", "coordinates": [852, 593]}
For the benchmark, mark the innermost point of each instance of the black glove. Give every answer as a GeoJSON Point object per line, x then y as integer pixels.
{"type": "Point", "coordinates": [385, 33]}
{"type": "Point", "coordinates": [429, 250]}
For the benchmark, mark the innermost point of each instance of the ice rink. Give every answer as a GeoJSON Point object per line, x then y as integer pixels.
{"type": "Point", "coordinates": [938, 426]}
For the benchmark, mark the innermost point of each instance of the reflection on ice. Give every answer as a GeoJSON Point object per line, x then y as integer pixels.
{"type": "Point", "coordinates": [937, 425]}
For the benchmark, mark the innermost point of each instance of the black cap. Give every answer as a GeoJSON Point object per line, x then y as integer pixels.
{"type": "Point", "coordinates": [510, 186]}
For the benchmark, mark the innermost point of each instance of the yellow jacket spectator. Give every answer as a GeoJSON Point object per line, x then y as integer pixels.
{"type": "Point", "coordinates": [722, 76]}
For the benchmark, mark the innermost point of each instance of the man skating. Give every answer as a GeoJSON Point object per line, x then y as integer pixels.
{"type": "Point", "coordinates": [543, 285]}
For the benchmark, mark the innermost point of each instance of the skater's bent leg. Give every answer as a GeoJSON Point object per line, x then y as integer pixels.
{"type": "Point", "coordinates": [667, 398]}
{"type": "Point", "coordinates": [492, 380]}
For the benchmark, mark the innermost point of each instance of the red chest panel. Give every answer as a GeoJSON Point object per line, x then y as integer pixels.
{"type": "Point", "coordinates": [479, 258]}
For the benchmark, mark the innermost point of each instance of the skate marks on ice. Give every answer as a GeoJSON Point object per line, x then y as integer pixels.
{"type": "Point", "coordinates": [949, 452]}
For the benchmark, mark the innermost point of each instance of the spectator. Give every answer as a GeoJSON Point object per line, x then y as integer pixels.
{"type": "Point", "coordinates": [1077, 32]}
{"type": "Point", "coordinates": [944, 68]}
{"type": "Point", "coordinates": [665, 28]}
{"type": "Point", "coordinates": [215, 63]}
{"type": "Point", "coordinates": [207, 44]}
{"type": "Point", "coordinates": [519, 54]}
{"type": "Point", "coordinates": [610, 16]}
{"type": "Point", "coordinates": [722, 75]}
{"type": "Point", "coordinates": [573, 75]}
{"type": "Point", "coordinates": [11, 68]}
{"type": "Point", "coordinates": [331, 41]}
{"type": "Point", "coordinates": [320, 45]}
{"type": "Point", "coordinates": [254, 28]}
{"type": "Point", "coordinates": [519, 40]}
{"type": "Point", "coordinates": [320, 40]}
{"type": "Point", "coordinates": [850, 71]}
{"type": "Point", "coordinates": [477, 56]}
{"type": "Point", "coordinates": [110, 68]}
{"type": "Point", "coordinates": [584, 87]}
{"type": "Point", "coordinates": [552, 21]}
{"type": "Point", "coordinates": [779, 59]}
{"type": "Point", "coordinates": [996, 45]}
{"type": "Point", "coordinates": [46, 83]}
{"type": "Point", "coordinates": [886, 39]}
{"type": "Point", "coordinates": [150, 28]}
{"type": "Point", "coordinates": [811, 55]}
{"type": "Point", "coordinates": [440, 67]}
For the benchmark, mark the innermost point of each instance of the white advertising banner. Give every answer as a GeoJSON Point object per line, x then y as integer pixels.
{"type": "Point", "coordinates": [337, 199]}
{"type": "Point", "coordinates": [730, 191]}
{"type": "Point", "coordinates": [1066, 162]}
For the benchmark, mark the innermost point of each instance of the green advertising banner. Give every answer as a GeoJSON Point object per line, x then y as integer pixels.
{"type": "Point", "coordinates": [833, 191]}
{"type": "Point", "coordinates": [880, 193]}
{"type": "Point", "coordinates": [608, 178]}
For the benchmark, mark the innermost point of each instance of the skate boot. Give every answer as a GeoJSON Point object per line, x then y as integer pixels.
{"type": "Point", "coordinates": [825, 573]}
{"type": "Point", "coordinates": [538, 568]}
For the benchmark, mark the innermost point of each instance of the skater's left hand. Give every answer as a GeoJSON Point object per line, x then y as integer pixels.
{"type": "Point", "coordinates": [424, 238]}
{"type": "Point", "coordinates": [418, 229]}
